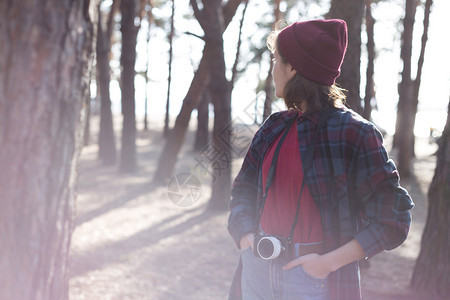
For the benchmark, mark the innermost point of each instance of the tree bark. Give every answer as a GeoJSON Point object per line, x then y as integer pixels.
{"type": "Point", "coordinates": [45, 55]}
{"type": "Point", "coordinates": [220, 91]}
{"type": "Point", "coordinates": [234, 70]}
{"type": "Point", "coordinates": [426, 25]}
{"type": "Point", "coordinates": [107, 152]}
{"type": "Point", "coordinates": [87, 122]}
{"type": "Point", "coordinates": [129, 31]}
{"type": "Point", "coordinates": [404, 129]}
{"type": "Point", "coordinates": [147, 56]}
{"type": "Point", "coordinates": [169, 79]}
{"type": "Point", "coordinates": [191, 101]}
{"type": "Point", "coordinates": [202, 133]}
{"type": "Point", "coordinates": [370, 89]}
{"type": "Point", "coordinates": [432, 269]}
{"type": "Point", "coordinates": [350, 78]}
{"type": "Point", "coordinates": [417, 81]}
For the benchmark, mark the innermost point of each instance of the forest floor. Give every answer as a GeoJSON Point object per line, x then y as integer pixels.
{"type": "Point", "coordinates": [132, 242]}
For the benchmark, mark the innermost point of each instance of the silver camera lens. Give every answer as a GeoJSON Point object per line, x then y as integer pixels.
{"type": "Point", "coordinates": [269, 247]}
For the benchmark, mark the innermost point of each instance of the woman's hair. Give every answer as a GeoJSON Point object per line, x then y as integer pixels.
{"type": "Point", "coordinates": [298, 89]}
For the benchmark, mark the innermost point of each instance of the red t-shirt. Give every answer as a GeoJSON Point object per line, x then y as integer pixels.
{"type": "Point", "coordinates": [282, 198]}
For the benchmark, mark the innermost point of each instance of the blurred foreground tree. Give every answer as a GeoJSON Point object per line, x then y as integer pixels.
{"type": "Point", "coordinates": [350, 78]}
{"type": "Point", "coordinates": [432, 269]}
{"type": "Point", "coordinates": [408, 88]}
{"type": "Point", "coordinates": [45, 52]}
{"type": "Point", "coordinates": [106, 141]}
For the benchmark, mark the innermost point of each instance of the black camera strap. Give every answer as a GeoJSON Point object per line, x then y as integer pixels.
{"type": "Point", "coordinates": [307, 164]}
{"type": "Point", "coordinates": [273, 167]}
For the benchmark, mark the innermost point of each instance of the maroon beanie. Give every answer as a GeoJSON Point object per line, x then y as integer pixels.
{"type": "Point", "coordinates": [315, 48]}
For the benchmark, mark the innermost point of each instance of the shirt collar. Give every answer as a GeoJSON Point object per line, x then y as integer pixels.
{"type": "Point", "coordinates": [291, 113]}
{"type": "Point", "coordinates": [313, 117]}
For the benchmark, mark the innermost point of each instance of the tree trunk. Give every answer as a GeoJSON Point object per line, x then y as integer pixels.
{"type": "Point", "coordinates": [87, 122]}
{"type": "Point", "coordinates": [404, 129]}
{"type": "Point", "coordinates": [432, 269]}
{"type": "Point", "coordinates": [107, 152]}
{"type": "Point", "coordinates": [219, 88]}
{"type": "Point", "coordinates": [129, 31]}
{"type": "Point", "coordinates": [147, 57]}
{"type": "Point", "coordinates": [370, 89]}
{"type": "Point", "coordinates": [45, 55]}
{"type": "Point", "coordinates": [417, 81]}
{"type": "Point", "coordinates": [191, 101]}
{"type": "Point", "coordinates": [201, 136]}
{"type": "Point", "coordinates": [352, 13]}
{"type": "Point", "coordinates": [234, 70]}
{"type": "Point", "coordinates": [169, 80]}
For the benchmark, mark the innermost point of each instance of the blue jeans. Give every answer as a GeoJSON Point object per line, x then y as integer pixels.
{"type": "Point", "coordinates": [266, 280]}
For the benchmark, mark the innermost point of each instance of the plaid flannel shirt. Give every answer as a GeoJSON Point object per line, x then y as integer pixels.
{"type": "Point", "coordinates": [352, 180]}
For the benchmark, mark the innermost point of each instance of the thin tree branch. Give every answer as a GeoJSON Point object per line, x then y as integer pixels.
{"type": "Point", "coordinates": [426, 24]}
{"type": "Point", "coordinates": [196, 35]}
{"type": "Point", "coordinates": [234, 69]}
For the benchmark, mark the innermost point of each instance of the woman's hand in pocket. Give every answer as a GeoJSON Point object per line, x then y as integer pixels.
{"type": "Point", "coordinates": [247, 241]}
{"type": "Point", "coordinates": [313, 264]}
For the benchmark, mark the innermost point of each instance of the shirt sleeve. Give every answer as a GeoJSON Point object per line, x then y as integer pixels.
{"type": "Point", "coordinates": [243, 204]}
{"type": "Point", "coordinates": [384, 204]}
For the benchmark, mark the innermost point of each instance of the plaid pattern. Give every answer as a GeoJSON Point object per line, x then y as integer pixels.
{"type": "Point", "coordinates": [352, 180]}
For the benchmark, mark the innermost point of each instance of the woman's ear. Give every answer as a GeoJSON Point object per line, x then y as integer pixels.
{"type": "Point", "coordinates": [294, 71]}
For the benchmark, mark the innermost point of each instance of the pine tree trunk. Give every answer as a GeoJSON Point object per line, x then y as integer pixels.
{"type": "Point", "coordinates": [350, 78]}
{"type": "Point", "coordinates": [370, 22]}
{"type": "Point", "coordinates": [129, 31]}
{"type": "Point", "coordinates": [169, 80]}
{"type": "Point", "coordinates": [219, 88]}
{"type": "Point", "coordinates": [87, 122]}
{"type": "Point", "coordinates": [432, 269]}
{"type": "Point", "coordinates": [404, 129]}
{"type": "Point", "coordinates": [418, 79]}
{"type": "Point", "coordinates": [45, 55]}
{"type": "Point", "coordinates": [147, 61]}
{"type": "Point", "coordinates": [107, 152]}
{"type": "Point", "coordinates": [201, 136]}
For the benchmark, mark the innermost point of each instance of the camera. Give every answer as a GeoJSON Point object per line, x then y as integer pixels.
{"type": "Point", "coordinates": [270, 246]}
